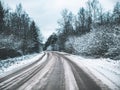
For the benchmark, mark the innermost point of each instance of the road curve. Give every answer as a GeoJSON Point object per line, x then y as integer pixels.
{"type": "Point", "coordinates": [52, 71]}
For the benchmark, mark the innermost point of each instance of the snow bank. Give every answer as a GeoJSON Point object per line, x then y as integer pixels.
{"type": "Point", "coordinates": [106, 70]}
{"type": "Point", "coordinates": [12, 64]}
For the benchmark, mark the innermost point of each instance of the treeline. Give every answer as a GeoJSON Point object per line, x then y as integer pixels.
{"type": "Point", "coordinates": [92, 31]}
{"type": "Point", "coordinates": [19, 35]}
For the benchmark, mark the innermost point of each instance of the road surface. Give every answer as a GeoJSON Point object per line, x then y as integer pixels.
{"type": "Point", "coordinates": [52, 71]}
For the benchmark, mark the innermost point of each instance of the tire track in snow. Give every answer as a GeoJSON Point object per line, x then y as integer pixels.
{"type": "Point", "coordinates": [40, 78]}
{"type": "Point", "coordinates": [56, 78]}
{"type": "Point", "coordinates": [70, 81]}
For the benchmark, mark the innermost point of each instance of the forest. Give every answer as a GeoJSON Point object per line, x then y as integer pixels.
{"type": "Point", "coordinates": [19, 34]}
{"type": "Point", "coordinates": [92, 32]}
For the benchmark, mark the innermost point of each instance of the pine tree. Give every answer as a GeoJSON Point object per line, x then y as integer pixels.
{"type": "Point", "coordinates": [34, 37]}
{"type": "Point", "coordinates": [81, 20]}
{"type": "Point", "coordinates": [116, 12]}
{"type": "Point", "coordinates": [2, 15]}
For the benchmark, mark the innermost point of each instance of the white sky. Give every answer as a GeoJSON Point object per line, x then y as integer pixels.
{"type": "Point", "coordinates": [47, 12]}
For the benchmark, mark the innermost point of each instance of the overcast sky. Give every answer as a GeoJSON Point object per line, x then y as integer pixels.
{"type": "Point", "coordinates": [47, 12]}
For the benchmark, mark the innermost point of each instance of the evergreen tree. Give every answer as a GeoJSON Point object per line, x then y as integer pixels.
{"type": "Point", "coordinates": [2, 15]}
{"type": "Point", "coordinates": [116, 12]}
{"type": "Point", "coordinates": [66, 28]}
{"type": "Point", "coordinates": [34, 37]}
{"type": "Point", "coordinates": [51, 41]}
{"type": "Point", "coordinates": [81, 20]}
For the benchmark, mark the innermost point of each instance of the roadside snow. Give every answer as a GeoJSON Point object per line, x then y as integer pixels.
{"type": "Point", "coordinates": [9, 65]}
{"type": "Point", "coordinates": [106, 70]}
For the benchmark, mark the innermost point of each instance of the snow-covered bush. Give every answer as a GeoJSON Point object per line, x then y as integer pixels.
{"type": "Point", "coordinates": [15, 62]}
{"type": "Point", "coordinates": [9, 46]}
{"type": "Point", "coordinates": [101, 42]}
{"type": "Point", "coordinates": [89, 44]}
{"type": "Point", "coordinates": [68, 46]}
{"type": "Point", "coordinates": [9, 42]}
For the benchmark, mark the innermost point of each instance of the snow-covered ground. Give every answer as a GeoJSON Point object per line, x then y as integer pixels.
{"type": "Point", "coordinates": [105, 70]}
{"type": "Point", "coordinates": [13, 64]}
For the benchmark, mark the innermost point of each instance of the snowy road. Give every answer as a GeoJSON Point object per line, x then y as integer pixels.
{"type": "Point", "coordinates": [52, 71]}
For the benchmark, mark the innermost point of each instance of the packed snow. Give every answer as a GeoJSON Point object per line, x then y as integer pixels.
{"type": "Point", "coordinates": [106, 70]}
{"type": "Point", "coordinates": [70, 81]}
{"type": "Point", "coordinates": [12, 64]}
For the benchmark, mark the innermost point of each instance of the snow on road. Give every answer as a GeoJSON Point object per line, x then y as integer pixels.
{"type": "Point", "coordinates": [69, 77]}
{"type": "Point", "coordinates": [105, 70]}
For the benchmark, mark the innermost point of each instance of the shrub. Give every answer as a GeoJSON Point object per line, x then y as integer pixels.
{"type": "Point", "coordinates": [101, 42]}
